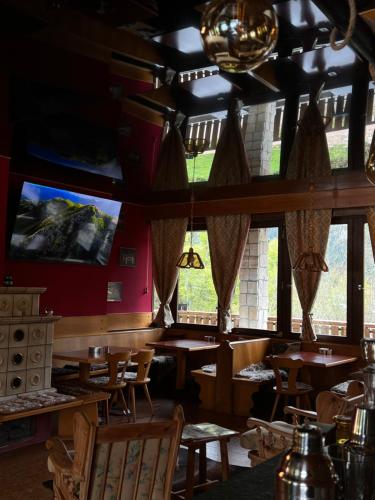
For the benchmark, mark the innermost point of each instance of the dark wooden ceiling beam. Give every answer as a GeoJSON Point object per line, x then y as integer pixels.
{"type": "Point", "coordinates": [340, 191]}
{"type": "Point", "coordinates": [363, 41]}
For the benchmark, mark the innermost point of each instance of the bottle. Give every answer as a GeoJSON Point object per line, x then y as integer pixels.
{"type": "Point", "coordinates": [306, 471]}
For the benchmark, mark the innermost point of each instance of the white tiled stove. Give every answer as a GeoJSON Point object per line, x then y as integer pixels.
{"type": "Point", "coordinates": [26, 340]}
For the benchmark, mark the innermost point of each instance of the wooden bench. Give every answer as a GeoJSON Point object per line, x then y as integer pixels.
{"type": "Point", "coordinates": [88, 403]}
{"type": "Point", "coordinates": [223, 391]}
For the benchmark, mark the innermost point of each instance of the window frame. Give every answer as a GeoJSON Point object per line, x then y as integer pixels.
{"type": "Point", "coordinates": [355, 221]}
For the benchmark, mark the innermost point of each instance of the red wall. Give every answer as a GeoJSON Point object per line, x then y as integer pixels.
{"type": "Point", "coordinates": [79, 290]}
{"type": "Point", "coordinates": [4, 168]}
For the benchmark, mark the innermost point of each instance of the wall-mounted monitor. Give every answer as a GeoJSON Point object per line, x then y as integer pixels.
{"type": "Point", "coordinates": [58, 225]}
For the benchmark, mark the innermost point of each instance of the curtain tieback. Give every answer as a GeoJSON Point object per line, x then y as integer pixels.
{"type": "Point", "coordinates": [224, 311]}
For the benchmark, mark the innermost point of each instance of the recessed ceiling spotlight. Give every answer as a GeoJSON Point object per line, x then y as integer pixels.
{"type": "Point", "coordinates": [332, 74]}
{"type": "Point", "coordinates": [323, 29]}
{"type": "Point", "coordinates": [220, 98]}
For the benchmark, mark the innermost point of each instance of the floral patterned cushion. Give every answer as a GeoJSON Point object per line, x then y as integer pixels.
{"type": "Point", "coordinates": [257, 372]}
{"type": "Point", "coordinates": [122, 480]}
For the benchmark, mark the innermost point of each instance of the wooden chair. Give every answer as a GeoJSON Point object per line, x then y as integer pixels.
{"type": "Point", "coordinates": [143, 358]}
{"type": "Point", "coordinates": [115, 382]}
{"type": "Point", "coordinates": [126, 462]}
{"type": "Point", "coordinates": [289, 388]}
{"type": "Point", "coordinates": [267, 439]}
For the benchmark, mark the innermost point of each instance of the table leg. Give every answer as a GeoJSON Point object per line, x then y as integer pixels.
{"type": "Point", "coordinates": [84, 372]}
{"type": "Point", "coordinates": [202, 464]}
{"type": "Point", "coordinates": [190, 473]}
{"type": "Point", "coordinates": [181, 370]}
{"type": "Point", "coordinates": [224, 459]}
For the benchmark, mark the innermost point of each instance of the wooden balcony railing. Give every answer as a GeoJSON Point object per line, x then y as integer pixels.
{"type": "Point", "coordinates": [321, 326]}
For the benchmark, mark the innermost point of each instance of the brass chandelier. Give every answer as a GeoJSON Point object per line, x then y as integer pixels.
{"type": "Point", "coordinates": [191, 259]}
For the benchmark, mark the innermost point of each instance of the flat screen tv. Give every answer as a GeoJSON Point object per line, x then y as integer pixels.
{"type": "Point", "coordinates": [58, 225]}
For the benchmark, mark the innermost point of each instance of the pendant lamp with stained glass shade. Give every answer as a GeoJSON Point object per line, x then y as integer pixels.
{"type": "Point", "coordinates": [239, 35]}
{"type": "Point", "coordinates": [191, 259]}
{"type": "Point", "coordinates": [370, 164]}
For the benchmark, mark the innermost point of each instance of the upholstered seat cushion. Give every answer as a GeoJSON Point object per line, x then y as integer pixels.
{"type": "Point", "coordinates": [209, 368]}
{"type": "Point", "coordinates": [257, 372]}
{"type": "Point", "coordinates": [105, 380]}
{"type": "Point", "coordinates": [301, 386]}
{"type": "Point", "coordinates": [163, 360]}
{"type": "Point", "coordinates": [257, 376]}
{"type": "Point", "coordinates": [249, 438]}
{"type": "Point", "coordinates": [341, 388]}
{"type": "Point", "coordinates": [56, 372]}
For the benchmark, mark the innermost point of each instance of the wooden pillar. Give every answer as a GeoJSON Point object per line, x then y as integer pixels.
{"type": "Point", "coordinates": [357, 118]}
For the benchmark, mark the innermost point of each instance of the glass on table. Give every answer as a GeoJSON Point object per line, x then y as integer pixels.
{"type": "Point", "coordinates": [209, 338]}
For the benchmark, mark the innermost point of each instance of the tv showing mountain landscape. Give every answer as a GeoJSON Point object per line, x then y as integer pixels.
{"type": "Point", "coordinates": [58, 225]}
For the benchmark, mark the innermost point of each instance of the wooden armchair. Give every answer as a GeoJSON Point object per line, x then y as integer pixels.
{"type": "Point", "coordinates": [266, 439]}
{"type": "Point", "coordinates": [129, 461]}
{"type": "Point", "coordinates": [328, 404]}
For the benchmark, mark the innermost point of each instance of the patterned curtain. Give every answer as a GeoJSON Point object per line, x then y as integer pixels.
{"type": "Point", "coordinates": [168, 235]}
{"type": "Point", "coordinates": [308, 230]}
{"type": "Point", "coordinates": [371, 227]}
{"type": "Point", "coordinates": [227, 234]}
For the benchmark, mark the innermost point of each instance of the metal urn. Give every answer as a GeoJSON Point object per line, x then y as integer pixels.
{"type": "Point", "coordinates": [306, 471]}
{"type": "Point", "coordinates": [360, 449]}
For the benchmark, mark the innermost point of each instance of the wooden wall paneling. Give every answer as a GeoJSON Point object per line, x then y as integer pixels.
{"type": "Point", "coordinates": [128, 320]}
{"type": "Point", "coordinates": [246, 352]}
{"type": "Point", "coordinates": [131, 338]}
{"type": "Point", "coordinates": [81, 326]}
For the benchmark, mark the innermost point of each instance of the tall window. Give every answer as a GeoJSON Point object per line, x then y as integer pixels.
{"type": "Point", "coordinates": [261, 127]}
{"type": "Point", "coordinates": [196, 296]}
{"type": "Point", "coordinates": [334, 106]}
{"type": "Point", "coordinates": [330, 306]}
{"type": "Point", "coordinates": [254, 303]}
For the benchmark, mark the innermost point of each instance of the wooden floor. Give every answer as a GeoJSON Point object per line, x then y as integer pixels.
{"type": "Point", "coordinates": [22, 472]}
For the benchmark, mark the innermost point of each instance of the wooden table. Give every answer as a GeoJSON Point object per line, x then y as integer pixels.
{"type": "Point", "coordinates": [180, 348]}
{"type": "Point", "coordinates": [316, 360]}
{"type": "Point", "coordinates": [319, 360]}
{"type": "Point", "coordinates": [196, 437]}
{"type": "Point", "coordinates": [86, 403]}
{"type": "Point", "coordinates": [85, 359]}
